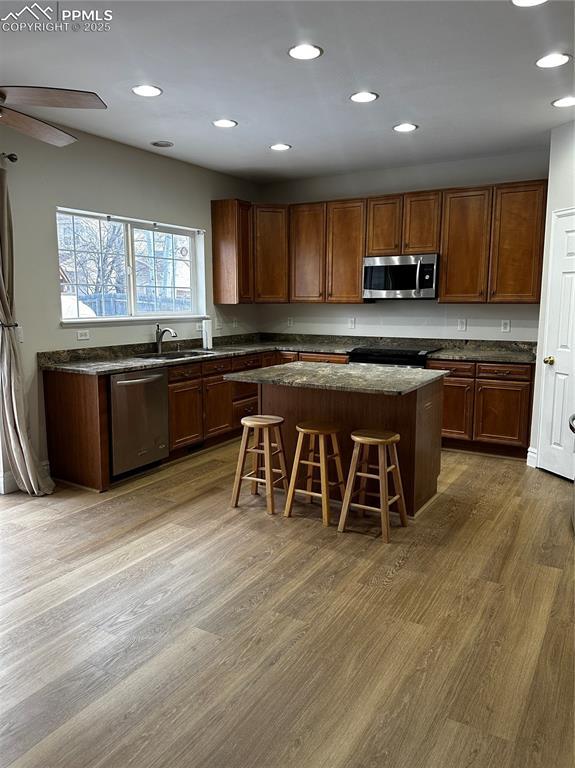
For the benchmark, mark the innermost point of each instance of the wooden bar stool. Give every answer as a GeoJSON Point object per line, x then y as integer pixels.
{"type": "Point", "coordinates": [320, 432]}
{"type": "Point", "coordinates": [387, 462]}
{"type": "Point", "coordinates": [263, 446]}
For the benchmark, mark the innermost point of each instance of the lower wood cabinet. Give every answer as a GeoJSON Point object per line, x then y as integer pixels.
{"type": "Point", "coordinates": [286, 357]}
{"type": "Point", "coordinates": [243, 408]}
{"type": "Point", "coordinates": [269, 358]}
{"type": "Point", "coordinates": [502, 412]}
{"type": "Point", "coordinates": [218, 412]}
{"type": "Point", "coordinates": [458, 396]}
{"type": "Point", "coordinates": [186, 413]}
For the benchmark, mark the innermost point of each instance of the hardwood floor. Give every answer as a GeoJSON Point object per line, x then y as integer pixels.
{"type": "Point", "coordinates": [154, 626]}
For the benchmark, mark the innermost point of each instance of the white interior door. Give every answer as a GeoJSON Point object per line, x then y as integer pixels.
{"type": "Point", "coordinates": [558, 389]}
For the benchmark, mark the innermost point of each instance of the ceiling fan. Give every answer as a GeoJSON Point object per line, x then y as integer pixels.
{"type": "Point", "coordinates": [30, 96]}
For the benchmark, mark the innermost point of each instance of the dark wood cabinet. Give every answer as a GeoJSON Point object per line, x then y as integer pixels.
{"type": "Point", "coordinates": [307, 252]}
{"type": "Point", "coordinates": [269, 358]}
{"type": "Point", "coordinates": [218, 400]}
{"type": "Point", "coordinates": [502, 412]}
{"type": "Point", "coordinates": [384, 218]}
{"type": "Point", "coordinates": [458, 397]}
{"type": "Point", "coordinates": [346, 224]}
{"type": "Point", "coordinates": [271, 262]}
{"type": "Point", "coordinates": [465, 243]}
{"type": "Point", "coordinates": [421, 222]}
{"type": "Point", "coordinates": [185, 399]}
{"type": "Point", "coordinates": [517, 242]}
{"type": "Point", "coordinates": [321, 357]}
{"type": "Point", "coordinates": [232, 252]}
{"type": "Point", "coordinates": [286, 357]}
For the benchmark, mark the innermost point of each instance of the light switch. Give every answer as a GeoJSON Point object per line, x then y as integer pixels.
{"type": "Point", "coordinates": [462, 324]}
{"type": "Point", "coordinates": [351, 322]}
{"type": "Point", "coordinates": [505, 326]}
{"type": "Point", "coordinates": [83, 335]}
{"type": "Point", "coordinates": [290, 322]}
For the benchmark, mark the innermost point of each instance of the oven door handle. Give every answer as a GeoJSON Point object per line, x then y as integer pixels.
{"type": "Point", "coordinates": [417, 273]}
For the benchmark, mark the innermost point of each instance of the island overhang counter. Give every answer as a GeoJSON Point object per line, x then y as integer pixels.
{"type": "Point", "coordinates": [362, 396]}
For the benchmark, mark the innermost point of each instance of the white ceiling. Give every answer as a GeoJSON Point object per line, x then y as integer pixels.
{"type": "Point", "coordinates": [463, 70]}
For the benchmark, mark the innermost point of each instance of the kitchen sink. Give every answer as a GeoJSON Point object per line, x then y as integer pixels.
{"type": "Point", "coordinates": [178, 355]}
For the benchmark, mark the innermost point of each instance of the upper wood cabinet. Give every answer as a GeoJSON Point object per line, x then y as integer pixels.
{"type": "Point", "coordinates": [346, 225]}
{"type": "Point", "coordinates": [271, 260]}
{"type": "Point", "coordinates": [384, 217]}
{"type": "Point", "coordinates": [421, 222]}
{"type": "Point", "coordinates": [232, 253]}
{"type": "Point", "coordinates": [307, 252]}
{"type": "Point", "coordinates": [517, 242]}
{"type": "Point", "coordinates": [464, 261]}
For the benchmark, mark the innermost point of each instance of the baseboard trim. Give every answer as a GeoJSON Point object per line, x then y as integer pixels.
{"type": "Point", "coordinates": [532, 457]}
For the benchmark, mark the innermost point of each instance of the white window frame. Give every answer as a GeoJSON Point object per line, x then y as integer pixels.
{"type": "Point", "coordinates": [198, 267]}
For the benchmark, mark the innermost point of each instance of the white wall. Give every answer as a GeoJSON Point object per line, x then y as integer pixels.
{"type": "Point", "coordinates": [98, 175]}
{"type": "Point", "coordinates": [519, 166]}
{"type": "Point", "coordinates": [418, 318]}
{"type": "Point", "coordinates": [560, 194]}
{"type": "Point", "coordinates": [404, 319]}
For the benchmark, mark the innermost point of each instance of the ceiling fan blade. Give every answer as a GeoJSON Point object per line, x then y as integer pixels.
{"type": "Point", "coordinates": [31, 96]}
{"type": "Point", "coordinates": [38, 129]}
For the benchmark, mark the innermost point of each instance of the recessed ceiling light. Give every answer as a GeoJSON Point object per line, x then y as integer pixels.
{"type": "Point", "coordinates": [280, 147]}
{"type": "Point", "coordinates": [305, 52]}
{"type": "Point", "coordinates": [527, 3]}
{"type": "Point", "coordinates": [146, 90]}
{"type": "Point", "coordinates": [553, 60]}
{"type": "Point", "coordinates": [162, 144]}
{"type": "Point", "coordinates": [405, 127]}
{"type": "Point", "coordinates": [363, 97]}
{"type": "Point", "coordinates": [566, 101]}
{"type": "Point", "coordinates": [224, 123]}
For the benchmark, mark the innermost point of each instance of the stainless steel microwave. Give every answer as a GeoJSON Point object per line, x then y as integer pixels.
{"type": "Point", "coordinates": [400, 277]}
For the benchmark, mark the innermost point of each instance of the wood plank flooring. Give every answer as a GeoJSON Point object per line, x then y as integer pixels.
{"type": "Point", "coordinates": [153, 626]}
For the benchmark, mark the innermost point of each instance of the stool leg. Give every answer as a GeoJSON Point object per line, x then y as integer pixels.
{"type": "Point", "coordinates": [281, 456]}
{"type": "Point", "coordinates": [383, 494]}
{"type": "Point", "coordinates": [293, 479]}
{"type": "Point", "coordinates": [398, 486]}
{"type": "Point", "coordinates": [324, 480]}
{"type": "Point", "coordinates": [256, 461]}
{"type": "Point", "coordinates": [268, 469]}
{"type": "Point", "coordinates": [349, 487]}
{"type": "Point", "coordinates": [338, 467]}
{"type": "Point", "coordinates": [309, 473]}
{"type": "Point", "coordinates": [240, 467]}
{"type": "Point", "coordinates": [363, 480]}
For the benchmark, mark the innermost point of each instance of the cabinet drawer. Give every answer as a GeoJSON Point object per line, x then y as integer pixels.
{"type": "Point", "coordinates": [269, 358]}
{"type": "Point", "coordinates": [457, 368]}
{"type": "Point", "coordinates": [310, 357]}
{"type": "Point", "coordinates": [184, 372]}
{"type": "Point", "coordinates": [287, 357]}
{"type": "Point", "coordinates": [246, 363]}
{"type": "Point", "coordinates": [501, 371]}
{"type": "Point", "coordinates": [244, 408]}
{"type": "Point", "coordinates": [217, 366]}
{"type": "Point", "coordinates": [242, 390]}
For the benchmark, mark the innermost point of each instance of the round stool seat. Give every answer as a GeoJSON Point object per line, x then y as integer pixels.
{"type": "Point", "coordinates": [374, 437]}
{"type": "Point", "coordinates": [260, 422]}
{"type": "Point", "coordinates": [317, 427]}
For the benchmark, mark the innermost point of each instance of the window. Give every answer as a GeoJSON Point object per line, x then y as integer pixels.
{"type": "Point", "coordinates": [112, 267]}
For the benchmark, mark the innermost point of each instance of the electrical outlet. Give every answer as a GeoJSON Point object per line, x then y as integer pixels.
{"type": "Point", "coordinates": [462, 324]}
{"type": "Point", "coordinates": [290, 322]}
{"type": "Point", "coordinates": [351, 322]}
{"type": "Point", "coordinates": [83, 335]}
{"type": "Point", "coordinates": [505, 326]}
{"type": "Point", "coordinates": [218, 324]}
{"type": "Point", "coordinates": [234, 323]}
{"type": "Point", "coordinates": [199, 325]}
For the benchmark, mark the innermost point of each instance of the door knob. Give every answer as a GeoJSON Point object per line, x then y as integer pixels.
{"type": "Point", "coordinates": [550, 360]}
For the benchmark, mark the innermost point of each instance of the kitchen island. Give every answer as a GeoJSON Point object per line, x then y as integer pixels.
{"type": "Point", "coordinates": [362, 396]}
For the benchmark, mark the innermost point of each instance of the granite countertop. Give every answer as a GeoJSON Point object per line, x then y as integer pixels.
{"type": "Point", "coordinates": [109, 360]}
{"type": "Point", "coordinates": [355, 377]}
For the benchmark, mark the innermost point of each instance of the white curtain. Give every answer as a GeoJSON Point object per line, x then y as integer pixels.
{"type": "Point", "coordinates": [14, 435]}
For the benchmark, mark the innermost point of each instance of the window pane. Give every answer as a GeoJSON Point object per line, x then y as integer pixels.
{"type": "Point", "coordinates": [164, 299]}
{"type": "Point", "coordinates": [163, 245]}
{"type": "Point", "coordinates": [113, 239]}
{"type": "Point", "coordinates": [65, 231]}
{"type": "Point", "coordinates": [86, 234]}
{"type": "Point", "coordinates": [89, 268]}
{"type": "Point", "coordinates": [182, 274]}
{"type": "Point", "coordinates": [145, 299]}
{"type": "Point", "coordinates": [164, 273]}
{"type": "Point", "coordinates": [182, 249]}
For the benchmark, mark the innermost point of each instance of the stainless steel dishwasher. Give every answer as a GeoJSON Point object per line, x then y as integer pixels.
{"type": "Point", "coordinates": [139, 419]}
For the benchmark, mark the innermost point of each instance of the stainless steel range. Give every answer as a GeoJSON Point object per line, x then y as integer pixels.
{"type": "Point", "coordinates": [415, 358]}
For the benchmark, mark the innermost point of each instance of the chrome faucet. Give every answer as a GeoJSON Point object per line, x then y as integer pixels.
{"type": "Point", "coordinates": [160, 336]}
